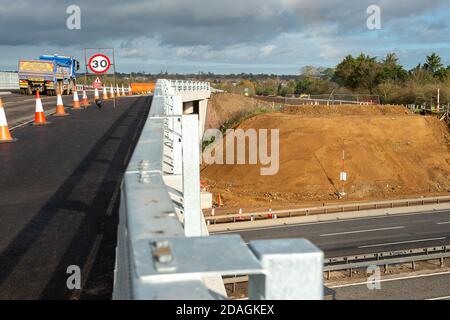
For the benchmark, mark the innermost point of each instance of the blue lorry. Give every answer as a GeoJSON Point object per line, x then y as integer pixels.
{"type": "Point", "coordinates": [49, 74]}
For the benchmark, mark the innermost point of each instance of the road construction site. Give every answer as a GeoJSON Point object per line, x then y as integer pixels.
{"type": "Point", "coordinates": [390, 153]}
{"type": "Point", "coordinates": [396, 192]}
{"type": "Point", "coordinates": [67, 210]}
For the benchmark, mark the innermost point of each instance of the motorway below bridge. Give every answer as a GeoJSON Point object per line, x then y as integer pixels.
{"type": "Point", "coordinates": [365, 235]}
{"type": "Point", "coordinates": [59, 186]}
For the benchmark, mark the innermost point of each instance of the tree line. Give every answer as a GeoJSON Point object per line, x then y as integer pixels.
{"type": "Point", "coordinates": [362, 74]}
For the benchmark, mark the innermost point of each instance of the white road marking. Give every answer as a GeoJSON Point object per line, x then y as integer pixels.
{"type": "Point", "coordinates": [361, 231]}
{"type": "Point", "coordinates": [18, 101]}
{"type": "Point", "coordinates": [390, 280]}
{"type": "Point", "coordinates": [441, 223]}
{"type": "Point", "coordinates": [400, 242]}
{"type": "Point", "coordinates": [440, 298]}
{"type": "Point", "coordinates": [21, 125]}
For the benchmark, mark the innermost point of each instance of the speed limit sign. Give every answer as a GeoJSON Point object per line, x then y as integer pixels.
{"type": "Point", "coordinates": [99, 63]}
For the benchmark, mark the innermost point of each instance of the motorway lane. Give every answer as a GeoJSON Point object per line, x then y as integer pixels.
{"type": "Point", "coordinates": [348, 237]}
{"type": "Point", "coordinates": [434, 286]}
{"type": "Point", "coordinates": [58, 204]}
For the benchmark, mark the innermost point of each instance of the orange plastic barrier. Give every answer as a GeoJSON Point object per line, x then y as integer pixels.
{"type": "Point", "coordinates": [137, 88]}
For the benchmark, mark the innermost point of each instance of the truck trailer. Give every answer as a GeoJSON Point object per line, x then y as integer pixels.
{"type": "Point", "coordinates": [48, 74]}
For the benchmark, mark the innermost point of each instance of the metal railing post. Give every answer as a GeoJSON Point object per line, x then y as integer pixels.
{"type": "Point", "coordinates": [191, 176]}
{"type": "Point", "coordinates": [293, 270]}
{"type": "Point", "coordinates": [177, 143]}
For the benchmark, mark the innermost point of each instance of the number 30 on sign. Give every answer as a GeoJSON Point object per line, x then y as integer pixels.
{"type": "Point", "coordinates": [99, 63]}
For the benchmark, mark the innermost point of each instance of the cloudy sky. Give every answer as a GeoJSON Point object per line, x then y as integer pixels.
{"type": "Point", "coordinates": [225, 36]}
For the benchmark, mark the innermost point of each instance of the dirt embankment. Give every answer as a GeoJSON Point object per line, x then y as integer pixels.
{"type": "Point", "coordinates": [390, 153]}
{"type": "Point", "coordinates": [347, 110]}
{"type": "Point", "coordinates": [224, 107]}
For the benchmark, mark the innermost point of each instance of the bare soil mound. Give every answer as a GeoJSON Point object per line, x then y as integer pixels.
{"type": "Point", "coordinates": [224, 107]}
{"type": "Point", "coordinates": [390, 154]}
{"type": "Point", "coordinates": [347, 110]}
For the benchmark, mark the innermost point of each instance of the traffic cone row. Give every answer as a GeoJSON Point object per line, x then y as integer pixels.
{"type": "Point", "coordinates": [39, 115]}
{"type": "Point", "coordinates": [116, 92]}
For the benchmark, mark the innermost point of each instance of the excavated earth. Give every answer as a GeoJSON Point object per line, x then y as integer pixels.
{"type": "Point", "coordinates": [390, 153]}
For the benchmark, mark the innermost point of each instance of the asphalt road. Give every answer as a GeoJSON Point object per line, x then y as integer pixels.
{"type": "Point", "coordinates": [422, 287]}
{"type": "Point", "coordinates": [348, 237]}
{"type": "Point", "coordinates": [58, 207]}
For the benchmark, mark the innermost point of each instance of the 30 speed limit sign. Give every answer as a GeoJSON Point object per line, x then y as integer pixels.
{"type": "Point", "coordinates": [99, 63]}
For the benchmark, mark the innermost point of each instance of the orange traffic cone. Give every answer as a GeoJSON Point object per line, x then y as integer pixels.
{"type": "Point", "coordinates": [111, 92]}
{"type": "Point", "coordinates": [219, 201]}
{"type": "Point", "coordinates": [39, 115]}
{"type": "Point", "coordinates": [5, 135]}
{"type": "Point", "coordinates": [60, 110]}
{"type": "Point", "coordinates": [118, 91]}
{"type": "Point", "coordinates": [85, 100]}
{"type": "Point", "coordinates": [96, 96]}
{"type": "Point", "coordinates": [130, 92]}
{"type": "Point", "coordinates": [105, 94]}
{"type": "Point", "coordinates": [76, 101]}
{"type": "Point", "coordinates": [123, 91]}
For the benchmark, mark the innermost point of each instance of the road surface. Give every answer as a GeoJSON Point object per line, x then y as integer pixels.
{"type": "Point", "coordinates": [59, 187]}
{"type": "Point", "coordinates": [377, 234]}
{"type": "Point", "coordinates": [417, 287]}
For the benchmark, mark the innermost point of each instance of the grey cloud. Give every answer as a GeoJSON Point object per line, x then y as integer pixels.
{"type": "Point", "coordinates": [191, 22]}
{"type": "Point", "coordinates": [175, 22]}
{"type": "Point", "coordinates": [224, 31]}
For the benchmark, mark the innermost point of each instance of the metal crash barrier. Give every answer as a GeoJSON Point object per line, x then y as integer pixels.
{"type": "Point", "coordinates": [164, 250]}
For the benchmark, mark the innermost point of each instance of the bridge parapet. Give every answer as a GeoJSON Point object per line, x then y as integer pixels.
{"type": "Point", "coordinates": [164, 250]}
{"type": "Point", "coordinates": [191, 90]}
